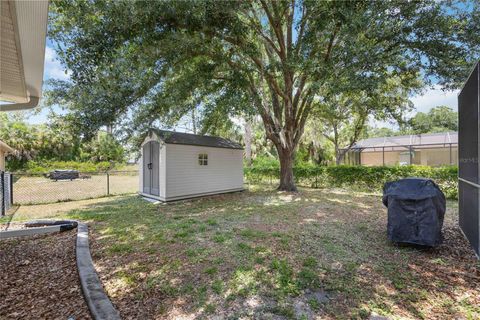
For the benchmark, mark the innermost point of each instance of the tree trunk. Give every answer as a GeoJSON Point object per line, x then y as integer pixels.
{"type": "Point", "coordinates": [248, 142]}
{"type": "Point", "coordinates": [287, 180]}
{"type": "Point", "coordinates": [339, 155]}
{"type": "Point", "coordinates": [194, 122]}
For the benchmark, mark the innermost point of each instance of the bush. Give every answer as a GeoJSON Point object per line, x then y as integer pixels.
{"type": "Point", "coordinates": [103, 148]}
{"type": "Point", "coordinates": [358, 177]}
{"type": "Point", "coordinates": [265, 162]}
{"type": "Point", "coordinates": [46, 166]}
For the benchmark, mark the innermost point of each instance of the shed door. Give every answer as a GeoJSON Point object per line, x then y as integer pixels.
{"type": "Point", "coordinates": [155, 153]}
{"type": "Point", "coordinates": [146, 168]}
{"type": "Point", "coordinates": [151, 162]}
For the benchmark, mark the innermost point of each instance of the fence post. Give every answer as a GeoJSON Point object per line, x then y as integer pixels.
{"type": "Point", "coordinates": [2, 189]}
{"type": "Point", "coordinates": [11, 189]}
{"type": "Point", "coordinates": [108, 183]}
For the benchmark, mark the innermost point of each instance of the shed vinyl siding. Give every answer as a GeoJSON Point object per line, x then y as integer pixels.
{"type": "Point", "coordinates": [163, 170]}
{"type": "Point", "coordinates": [184, 175]}
{"type": "Point", "coordinates": [140, 171]}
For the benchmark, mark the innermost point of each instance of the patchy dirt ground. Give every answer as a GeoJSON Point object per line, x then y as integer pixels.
{"type": "Point", "coordinates": [260, 254]}
{"type": "Point", "coordinates": [39, 280]}
{"type": "Point", "coordinates": [38, 189]}
{"type": "Point", "coordinates": [319, 254]}
{"type": "Point", "coordinates": [54, 210]}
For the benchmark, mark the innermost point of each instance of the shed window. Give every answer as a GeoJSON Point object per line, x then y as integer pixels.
{"type": "Point", "coordinates": [203, 159]}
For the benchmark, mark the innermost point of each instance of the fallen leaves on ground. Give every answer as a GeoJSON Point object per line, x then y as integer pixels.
{"type": "Point", "coordinates": [39, 279]}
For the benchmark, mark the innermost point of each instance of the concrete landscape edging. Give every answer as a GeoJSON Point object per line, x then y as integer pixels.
{"type": "Point", "coordinates": [101, 308]}
{"type": "Point", "coordinates": [28, 232]}
{"type": "Point", "coordinates": [97, 300]}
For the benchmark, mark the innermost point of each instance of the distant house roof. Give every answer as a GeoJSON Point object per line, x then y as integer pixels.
{"type": "Point", "coordinates": [171, 137]}
{"type": "Point", "coordinates": [417, 140]}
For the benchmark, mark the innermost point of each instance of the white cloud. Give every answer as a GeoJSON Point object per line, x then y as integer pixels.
{"type": "Point", "coordinates": [435, 97]}
{"type": "Point", "coordinates": [429, 99]}
{"type": "Point", "coordinates": [53, 68]}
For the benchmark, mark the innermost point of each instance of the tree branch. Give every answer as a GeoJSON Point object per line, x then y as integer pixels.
{"type": "Point", "coordinates": [331, 42]}
{"type": "Point", "coordinates": [303, 24]}
{"type": "Point", "coordinates": [275, 27]}
{"type": "Point", "coordinates": [255, 24]}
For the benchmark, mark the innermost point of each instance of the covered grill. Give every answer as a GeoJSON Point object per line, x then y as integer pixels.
{"type": "Point", "coordinates": [416, 208]}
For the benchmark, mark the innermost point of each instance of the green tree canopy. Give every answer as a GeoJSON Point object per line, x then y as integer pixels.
{"type": "Point", "coordinates": [34, 142]}
{"type": "Point", "coordinates": [344, 116]}
{"type": "Point", "coordinates": [438, 119]}
{"type": "Point", "coordinates": [271, 58]}
{"type": "Point", "coordinates": [380, 132]}
{"type": "Point", "coordinates": [54, 141]}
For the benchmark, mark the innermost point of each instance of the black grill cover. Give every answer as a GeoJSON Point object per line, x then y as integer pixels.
{"type": "Point", "coordinates": [416, 208]}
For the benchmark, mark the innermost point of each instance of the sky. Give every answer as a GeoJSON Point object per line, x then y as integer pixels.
{"type": "Point", "coordinates": [52, 70]}
{"type": "Point", "coordinates": [52, 67]}
{"type": "Point", "coordinates": [429, 98]}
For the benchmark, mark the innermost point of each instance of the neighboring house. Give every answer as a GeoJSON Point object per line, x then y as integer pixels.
{"type": "Point", "coordinates": [176, 165]}
{"type": "Point", "coordinates": [4, 150]}
{"type": "Point", "coordinates": [432, 149]}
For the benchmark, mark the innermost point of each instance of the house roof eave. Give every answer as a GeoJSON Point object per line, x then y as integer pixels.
{"type": "Point", "coordinates": [5, 147]}
{"type": "Point", "coordinates": [23, 41]}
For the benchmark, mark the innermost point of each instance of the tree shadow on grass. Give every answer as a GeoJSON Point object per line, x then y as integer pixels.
{"type": "Point", "coordinates": [240, 255]}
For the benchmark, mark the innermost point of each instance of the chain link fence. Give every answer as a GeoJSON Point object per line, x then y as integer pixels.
{"type": "Point", "coordinates": [361, 178]}
{"type": "Point", "coordinates": [40, 188]}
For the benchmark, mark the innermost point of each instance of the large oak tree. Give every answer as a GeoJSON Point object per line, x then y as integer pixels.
{"type": "Point", "coordinates": [147, 60]}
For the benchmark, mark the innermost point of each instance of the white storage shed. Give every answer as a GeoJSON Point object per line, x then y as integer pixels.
{"type": "Point", "coordinates": [175, 165]}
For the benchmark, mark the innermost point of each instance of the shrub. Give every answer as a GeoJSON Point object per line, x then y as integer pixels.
{"type": "Point", "coordinates": [358, 177]}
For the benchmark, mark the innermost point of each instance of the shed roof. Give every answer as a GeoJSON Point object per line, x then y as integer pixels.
{"type": "Point", "coordinates": [171, 137]}
{"type": "Point", "coordinates": [427, 139]}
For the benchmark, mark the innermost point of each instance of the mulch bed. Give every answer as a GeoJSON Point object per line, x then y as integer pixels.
{"type": "Point", "coordinates": [39, 279]}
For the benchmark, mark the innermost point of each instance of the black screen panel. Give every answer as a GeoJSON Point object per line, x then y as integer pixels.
{"type": "Point", "coordinates": [468, 129]}
{"type": "Point", "coordinates": [468, 162]}
{"type": "Point", "coordinates": [469, 213]}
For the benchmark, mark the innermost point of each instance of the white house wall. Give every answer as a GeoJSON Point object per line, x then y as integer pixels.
{"type": "Point", "coordinates": [185, 177]}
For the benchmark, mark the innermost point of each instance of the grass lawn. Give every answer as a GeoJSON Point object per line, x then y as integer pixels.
{"type": "Point", "coordinates": [270, 255]}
